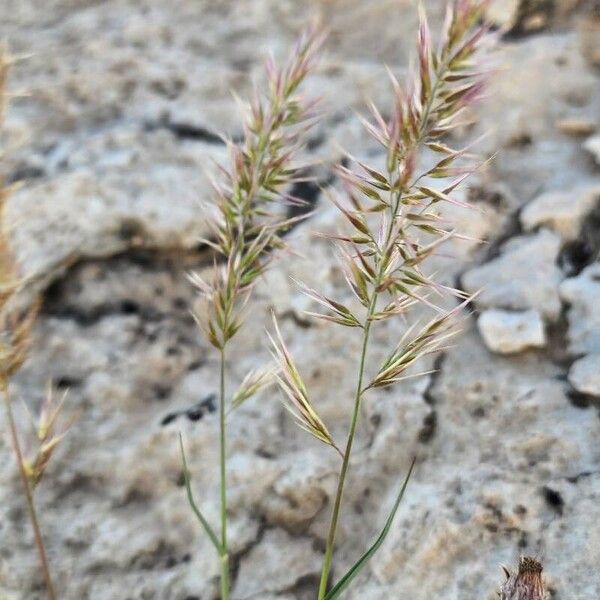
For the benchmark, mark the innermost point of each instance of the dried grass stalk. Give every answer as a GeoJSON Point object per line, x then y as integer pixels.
{"type": "Point", "coordinates": [15, 332]}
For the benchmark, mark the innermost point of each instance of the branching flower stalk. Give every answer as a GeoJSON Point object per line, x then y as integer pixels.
{"type": "Point", "coordinates": [396, 224]}
{"type": "Point", "coordinates": [251, 220]}
{"type": "Point", "coordinates": [15, 330]}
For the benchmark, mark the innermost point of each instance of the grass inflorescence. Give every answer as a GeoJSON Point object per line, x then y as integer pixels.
{"type": "Point", "coordinates": [247, 229]}
{"type": "Point", "coordinates": [394, 225]}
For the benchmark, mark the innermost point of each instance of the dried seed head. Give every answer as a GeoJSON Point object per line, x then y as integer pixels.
{"type": "Point", "coordinates": [47, 436]}
{"type": "Point", "coordinates": [526, 583]}
{"type": "Point", "coordinates": [15, 332]}
{"type": "Point", "coordinates": [15, 326]}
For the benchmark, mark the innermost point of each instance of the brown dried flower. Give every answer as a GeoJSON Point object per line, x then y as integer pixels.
{"type": "Point", "coordinates": [526, 583]}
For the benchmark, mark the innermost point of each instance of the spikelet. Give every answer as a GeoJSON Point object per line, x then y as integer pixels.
{"type": "Point", "coordinates": [252, 384]}
{"type": "Point", "coordinates": [296, 395]}
{"type": "Point", "coordinates": [47, 435]}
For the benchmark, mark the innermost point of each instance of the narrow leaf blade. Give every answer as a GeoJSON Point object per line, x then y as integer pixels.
{"type": "Point", "coordinates": [193, 505]}
{"type": "Point", "coordinates": [345, 581]}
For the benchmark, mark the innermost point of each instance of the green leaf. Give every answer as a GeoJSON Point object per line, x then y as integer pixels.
{"type": "Point", "coordinates": [345, 581]}
{"type": "Point", "coordinates": [194, 506]}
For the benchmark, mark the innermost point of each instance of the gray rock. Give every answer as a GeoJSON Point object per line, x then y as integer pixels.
{"type": "Point", "coordinates": [112, 143]}
{"type": "Point", "coordinates": [584, 375]}
{"type": "Point", "coordinates": [268, 569]}
{"type": "Point", "coordinates": [582, 293]}
{"type": "Point", "coordinates": [561, 211]}
{"type": "Point", "coordinates": [507, 332]}
{"type": "Point", "coordinates": [592, 145]}
{"type": "Point", "coordinates": [147, 196]}
{"type": "Point", "coordinates": [524, 276]}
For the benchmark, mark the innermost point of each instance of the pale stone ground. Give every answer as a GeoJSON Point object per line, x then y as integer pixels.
{"type": "Point", "coordinates": [112, 146]}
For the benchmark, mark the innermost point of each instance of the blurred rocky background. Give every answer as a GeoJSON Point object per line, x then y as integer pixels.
{"type": "Point", "coordinates": [112, 145]}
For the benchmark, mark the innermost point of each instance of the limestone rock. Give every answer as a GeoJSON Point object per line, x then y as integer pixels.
{"type": "Point", "coordinates": [582, 293]}
{"type": "Point", "coordinates": [134, 199]}
{"type": "Point", "coordinates": [524, 276]}
{"type": "Point", "coordinates": [301, 492]}
{"type": "Point", "coordinates": [584, 375]}
{"type": "Point", "coordinates": [111, 145]}
{"type": "Point", "coordinates": [507, 332]}
{"type": "Point", "coordinates": [561, 211]}
{"type": "Point", "coordinates": [592, 145]}
{"type": "Point", "coordinates": [277, 564]}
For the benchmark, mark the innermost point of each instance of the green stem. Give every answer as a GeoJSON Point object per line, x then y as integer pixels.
{"type": "Point", "coordinates": [395, 207]}
{"type": "Point", "coordinates": [196, 510]}
{"type": "Point", "coordinates": [355, 413]}
{"type": "Point", "coordinates": [223, 461]}
{"type": "Point", "coordinates": [224, 576]}
{"type": "Point", "coordinates": [346, 461]}
{"type": "Point", "coordinates": [39, 541]}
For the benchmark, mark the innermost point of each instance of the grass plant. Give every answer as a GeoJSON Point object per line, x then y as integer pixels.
{"type": "Point", "coordinates": [250, 221]}
{"type": "Point", "coordinates": [394, 225]}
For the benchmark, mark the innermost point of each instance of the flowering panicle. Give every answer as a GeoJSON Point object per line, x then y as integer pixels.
{"type": "Point", "coordinates": [394, 224]}
{"type": "Point", "coordinates": [393, 217]}
{"type": "Point", "coordinates": [251, 205]}
{"type": "Point", "coordinates": [411, 228]}
{"type": "Point", "coordinates": [250, 224]}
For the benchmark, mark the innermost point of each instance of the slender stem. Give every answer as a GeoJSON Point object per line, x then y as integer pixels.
{"type": "Point", "coordinates": [346, 462]}
{"type": "Point", "coordinates": [395, 207]}
{"type": "Point", "coordinates": [187, 480]}
{"type": "Point", "coordinates": [39, 542]}
{"type": "Point", "coordinates": [223, 461]}
{"type": "Point", "coordinates": [355, 413]}
{"type": "Point", "coordinates": [224, 576]}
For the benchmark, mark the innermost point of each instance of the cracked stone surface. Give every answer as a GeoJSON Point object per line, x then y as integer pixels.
{"type": "Point", "coordinates": [113, 147]}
